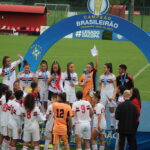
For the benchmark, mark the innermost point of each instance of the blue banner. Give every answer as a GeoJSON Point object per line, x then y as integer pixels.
{"type": "Point", "coordinates": [88, 34]}
{"type": "Point", "coordinates": [118, 37]}
{"type": "Point", "coordinates": [86, 22]}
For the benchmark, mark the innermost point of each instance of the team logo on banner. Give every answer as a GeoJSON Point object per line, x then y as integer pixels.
{"type": "Point", "coordinates": [98, 7]}
{"type": "Point", "coordinates": [36, 51]}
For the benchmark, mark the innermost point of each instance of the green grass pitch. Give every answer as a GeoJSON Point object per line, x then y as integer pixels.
{"type": "Point", "coordinates": [78, 51]}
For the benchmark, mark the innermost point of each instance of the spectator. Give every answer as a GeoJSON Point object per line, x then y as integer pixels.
{"type": "Point", "coordinates": [127, 115]}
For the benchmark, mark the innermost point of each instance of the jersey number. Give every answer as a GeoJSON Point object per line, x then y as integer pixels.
{"type": "Point", "coordinates": [83, 109]}
{"type": "Point", "coordinates": [60, 113]}
{"type": "Point", "coordinates": [5, 108]}
{"type": "Point", "coordinates": [28, 115]}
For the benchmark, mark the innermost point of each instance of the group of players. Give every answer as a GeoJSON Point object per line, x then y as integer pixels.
{"type": "Point", "coordinates": [29, 98]}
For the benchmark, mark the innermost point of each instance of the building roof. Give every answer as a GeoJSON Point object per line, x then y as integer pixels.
{"type": "Point", "coordinates": [23, 9]}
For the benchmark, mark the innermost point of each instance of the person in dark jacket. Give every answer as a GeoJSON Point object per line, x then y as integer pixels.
{"type": "Point", "coordinates": [127, 115]}
{"type": "Point", "coordinates": [124, 80]}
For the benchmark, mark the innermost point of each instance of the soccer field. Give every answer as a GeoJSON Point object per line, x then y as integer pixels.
{"type": "Point", "coordinates": [78, 51]}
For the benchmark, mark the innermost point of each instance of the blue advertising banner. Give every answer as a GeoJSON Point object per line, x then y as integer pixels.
{"type": "Point", "coordinates": [86, 22]}
{"type": "Point", "coordinates": [118, 37]}
{"type": "Point", "coordinates": [88, 34]}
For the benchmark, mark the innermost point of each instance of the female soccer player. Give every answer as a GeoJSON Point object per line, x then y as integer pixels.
{"type": "Point", "coordinates": [86, 82]}
{"type": "Point", "coordinates": [108, 90]}
{"type": "Point", "coordinates": [26, 77]}
{"type": "Point", "coordinates": [4, 143]}
{"type": "Point", "coordinates": [42, 76]}
{"type": "Point", "coordinates": [14, 123]}
{"type": "Point", "coordinates": [8, 71]}
{"type": "Point", "coordinates": [82, 111]}
{"type": "Point", "coordinates": [55, 81]}
{"type": "Point", "coordinates": [99, 123]}
{"type": "Point", "coordinates": [70, 80]}
{"type": "Point", "coordinates": [49, 123]}
{"type": "Point", "coordinates": [31, 114]}
{"type": "Point", "coordinates": [35, 92]}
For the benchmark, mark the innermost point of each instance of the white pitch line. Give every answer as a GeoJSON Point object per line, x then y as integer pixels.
{"type": "Point", "coordinates": [140, 71]}
{"type": "Point", "coordinates": [144, 91]}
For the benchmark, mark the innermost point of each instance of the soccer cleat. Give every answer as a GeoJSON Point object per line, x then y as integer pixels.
{"type": "Point", "coordinates": [112, 129]}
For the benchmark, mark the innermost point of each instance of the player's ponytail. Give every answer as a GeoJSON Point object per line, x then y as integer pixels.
{"type": "Point", "coordinates": [59, 69]}
{"type": "Point", "coordinates": [25, 63]}
{"type": "Point", "coordinates": [97, 94]}
{"type": "Point", "coordinates": [79, 95]}
{"type": "Point", "coordinates": [68, 71]}
{"type": "Point", "coordinates": [44, 62]}
{"type": "Point", "coordinates": [29, 102]}
{"type": "Point", "coordinates": [4, 61]}
{"type": "Point", "coordinates": [110, 67]}
{"type": "Point", "coordinates": [9, 95]}
{"type": "Point", "coordinates": [3, 89]}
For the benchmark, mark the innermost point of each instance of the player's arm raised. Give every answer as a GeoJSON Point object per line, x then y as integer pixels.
{"type": "Point", "coordinates": [96, 62]}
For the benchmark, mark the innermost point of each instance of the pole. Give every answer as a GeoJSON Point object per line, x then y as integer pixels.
{"type": "Point", "coordinates": [131, 10]}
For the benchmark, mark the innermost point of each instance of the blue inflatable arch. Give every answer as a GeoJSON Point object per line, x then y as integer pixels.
{"type": "Point", "coordinates": [86, 22]}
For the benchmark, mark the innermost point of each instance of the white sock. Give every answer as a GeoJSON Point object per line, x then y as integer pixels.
{"type": "Point", "coordinates": [87, 149]}
{"type": "Point", "coordinates": [25, 148]}
{"type": "Point", "coordinates": [78, 148]}
{"type": "Point", "coordinates": [36, 148]}
{"type": "Point", "coordinates": [94, 147]}
{"type": "Point", "coordinates": [46, 144]}
{"type": "Point", "coordinates": [5, 144]}
{"type": "Point", "coordinates": [102, 147]}
{"type": "Point", "coordinates": [58, 146]}
{"type": "Point", "coordinates": [117, 142]}
{"type": "Point", "coordinates": [112, 118]}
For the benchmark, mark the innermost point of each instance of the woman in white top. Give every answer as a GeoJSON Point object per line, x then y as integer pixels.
{"type": "Point", "coordinates": [42, 76]}
{"type": "Point", "coordinates": [70, 80]}
{"type": "Point", "coordinates": [99, 122]}
{"type": "Point", "coordinates": [26, 78]}
{"type": "Point", "coordinates": [32, 116]}
{"type": "Point", "coordinates": [8, 70]}
{"type": "Point", "coordinates": [55, 80]}
{"type": "Point", "coordinates": [108, 91]}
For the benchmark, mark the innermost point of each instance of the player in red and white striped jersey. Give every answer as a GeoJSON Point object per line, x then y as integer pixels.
{"type": "Point", "coordinates": [26, 77]}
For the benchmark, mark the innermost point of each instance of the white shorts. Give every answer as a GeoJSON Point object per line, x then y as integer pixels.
{"type": "Point", "coordinates": [48, 129]}
{"type": "Point", "coordinates": [13, 133]}
{"type": "Point", "coordinates": [31, 135]}
{"type": "Point", "coordinates": [0, 129]}
{"type": "Point", "coordinates": [44, 96]}
{"type": "Point", "coordinates": [83, 130]}
{"type": "Point", "coordinates": [71, 97]}
{"type": "Point", "coordinates": [4, 131]}
{"type": "Point", "coordinates": [105, 99]}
